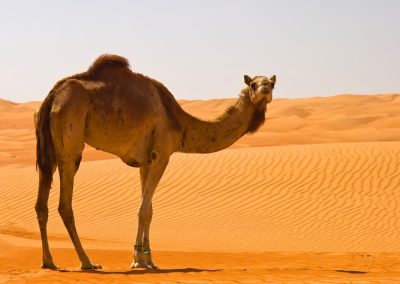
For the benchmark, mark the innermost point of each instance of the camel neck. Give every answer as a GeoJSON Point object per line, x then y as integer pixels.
{"type": "Point", "coordinates": [199, 136]}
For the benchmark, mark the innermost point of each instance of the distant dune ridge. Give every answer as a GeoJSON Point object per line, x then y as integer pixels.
{"type": "Point", "coordinates": [312, 193]}
{"type": "Point", "coordinates": [337, 119]}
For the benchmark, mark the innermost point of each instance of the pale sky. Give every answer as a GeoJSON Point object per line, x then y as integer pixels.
{"type": "Point", "coordinates": [202, 49]}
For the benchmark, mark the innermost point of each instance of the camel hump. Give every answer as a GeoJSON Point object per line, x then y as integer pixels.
{"type": "Point", "coordinates": [108, 60]}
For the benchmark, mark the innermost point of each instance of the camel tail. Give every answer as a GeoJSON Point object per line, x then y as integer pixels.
{"type": "Point", "coordinates": [45, 155]}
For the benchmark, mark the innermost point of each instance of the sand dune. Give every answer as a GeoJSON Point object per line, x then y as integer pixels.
{"type": "Point", "coordinates": [334, 197]}
{"type": "Point", "coordinates": [310, 207]}
{"type": "Point", "coordinates": [318, 210]}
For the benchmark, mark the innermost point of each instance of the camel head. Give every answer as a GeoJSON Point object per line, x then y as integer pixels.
{"type": "Point", "coordinates": [260, 88]}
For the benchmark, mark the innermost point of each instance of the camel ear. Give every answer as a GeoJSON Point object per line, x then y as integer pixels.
{"type": "Point", "coordinates": [273, 78]}
{"type": "Point", "coordinates": [247, 80]}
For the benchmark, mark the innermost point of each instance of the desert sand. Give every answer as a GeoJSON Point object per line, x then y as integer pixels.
{"type": "Point", "coordinates": [313, 197]}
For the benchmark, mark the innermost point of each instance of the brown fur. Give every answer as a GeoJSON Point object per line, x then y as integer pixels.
{"type": "Point", "coordinates": [170, 104]}
{"type": "Point", "coordinates": [258, 117]}
{"type": "Point", "coordinates": [167, 99]}
{"type": "Point", "coordinates": [257, 120]}
{"type": "Point", "coordinates": [106, 61]}
{"type": "Point", "coordinates": [45, 157]}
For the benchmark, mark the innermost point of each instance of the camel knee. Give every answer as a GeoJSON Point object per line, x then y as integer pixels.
{"type": "Point", "coordinates": [42, 212]}
{"type": "Point", "coordinates": [41, 208]}
{"type": "Point", "coordinates": [66, 214]}
{"type": "Point", "coordinates": [145, 213]}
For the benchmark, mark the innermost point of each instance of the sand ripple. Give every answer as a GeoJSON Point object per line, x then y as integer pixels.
{"type": "Point", "coordinates": [331, 197]}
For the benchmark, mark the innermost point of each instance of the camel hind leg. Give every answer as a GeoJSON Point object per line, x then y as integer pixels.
{"type": "Point", "coordinates": [67, 172]}
{"type": "Point", "coordinates": [46, 166]}
{"type": "Point", "coordinates": [42, 213]}
{"type": "Point", "coordinates": [68, 130]}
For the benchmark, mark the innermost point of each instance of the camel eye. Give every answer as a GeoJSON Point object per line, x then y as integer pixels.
{"type": "Point", "coordinates": [253, 85]}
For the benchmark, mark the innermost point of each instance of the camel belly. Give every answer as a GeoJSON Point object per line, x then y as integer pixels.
{"type": "Point", "coordinates": [120, 141]}
{"type": "Point", "coordinates": [128, 126]}
{"type": "Point", "coordinates": [118, 135]}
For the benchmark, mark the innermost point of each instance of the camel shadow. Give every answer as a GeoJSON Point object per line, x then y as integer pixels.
{"type": "Point", "coordinates": [350, 271]}
{"type": "Point", "coordinates": [144, 271]}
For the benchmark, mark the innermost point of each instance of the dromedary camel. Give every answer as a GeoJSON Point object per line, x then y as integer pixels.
{"type": "Point", "coordinates": [136, 118]}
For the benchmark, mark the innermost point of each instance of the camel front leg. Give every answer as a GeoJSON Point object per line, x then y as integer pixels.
{"type": "Point", "coordinates": [138, 247]}
{"type": "Point", "coordinates": [150, 177]}
{"type": "Point", "coordinates": [142, 252]}
{"type": "Point", "coordinates": [146, 239]}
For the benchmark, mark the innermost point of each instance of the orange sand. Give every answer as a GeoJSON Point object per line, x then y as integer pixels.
{"type": "Point", "coordinates": [301, 211]}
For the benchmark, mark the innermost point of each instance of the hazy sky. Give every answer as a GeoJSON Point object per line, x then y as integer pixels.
{"type": "Point", "coordinates": [202, 49]}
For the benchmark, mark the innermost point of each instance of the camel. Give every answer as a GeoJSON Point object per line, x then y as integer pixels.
{"type": "Point", "coordinates": [136, 118]}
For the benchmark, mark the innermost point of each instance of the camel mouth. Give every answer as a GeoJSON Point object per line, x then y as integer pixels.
{"type": "Point", "coordinates": [268, 97]}
{"type": "Point", "coordinates": [266, 92]}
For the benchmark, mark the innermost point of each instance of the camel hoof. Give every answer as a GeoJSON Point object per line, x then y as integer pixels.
{"type": "Point", "coordinates": [91, 265]}
{"type": "Point", "coordinates": [138, 265]}
{"type": "Point", "coordinates": [151, 266]}
{"type": "Point", "coordinates": [49, 265]}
